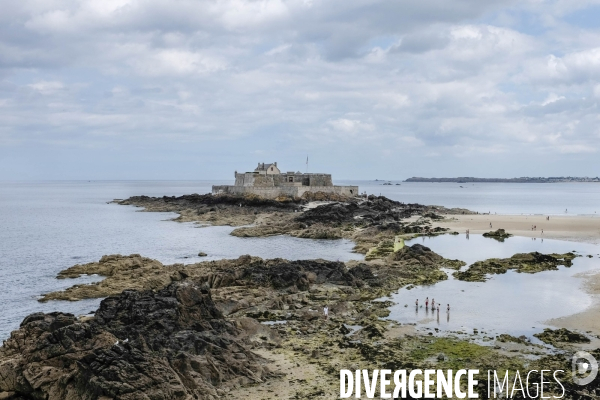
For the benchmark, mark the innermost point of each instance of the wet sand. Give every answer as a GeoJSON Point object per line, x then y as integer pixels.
{"type": "Point", "coordinates": [572, 228]}
{"type": "Point", "coordinates": [588, 320]}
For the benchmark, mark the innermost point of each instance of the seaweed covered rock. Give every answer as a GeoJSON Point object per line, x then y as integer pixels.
{"type": "Point", "coordinates": [498, 234]}
{"type": "Point", "coordinates": [221, 209]}
{"type": "Point", "coordinates": [422, 255]}
{"type": "Point", "coordinates": [504, 337]}
{"type": "Point", "coordinates": [375, 210]}
{"type": "Point", "coordinates": [139, 273]}
{"type": "Point", "coordinates": [521, 262]}
{"type": "Point", "coordinates": [432, 216]}
{"type": "Point", "coordinates": [200, 200]}
{"type": "Point", "coordinates": [561, 335]}
{"type": "Point", "coordinates": [418, 254]}
{"type": "Point", "coordinates": [169, 344]}
{"type": "Point", "coordinates": [301, 274]}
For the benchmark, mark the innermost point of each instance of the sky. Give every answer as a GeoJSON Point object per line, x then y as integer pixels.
{"type": "Point", "coordinates": [366, 89]}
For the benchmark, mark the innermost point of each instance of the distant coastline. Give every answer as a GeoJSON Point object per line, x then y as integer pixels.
{"type": "Point", "coordinates": [506, 180]}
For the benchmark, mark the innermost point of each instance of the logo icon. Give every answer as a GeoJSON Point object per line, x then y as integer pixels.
{"type": "Point", "coordinates": [585, 368]}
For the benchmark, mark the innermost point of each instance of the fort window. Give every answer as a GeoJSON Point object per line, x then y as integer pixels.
{"type": "Point", "coordinates": [291, 179]}
{"type": "Point", "coordinates": [351, 191]}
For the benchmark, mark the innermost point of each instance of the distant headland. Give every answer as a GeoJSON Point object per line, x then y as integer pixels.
{"type": "Point", "coordinates": [526, 179]}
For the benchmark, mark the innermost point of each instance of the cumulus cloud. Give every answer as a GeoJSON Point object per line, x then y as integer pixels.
{"type": "Point", "coordinates": [447, 80]}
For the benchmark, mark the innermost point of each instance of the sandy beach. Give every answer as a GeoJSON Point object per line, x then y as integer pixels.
{"type": "Point", "coordinates": [573, 228]}
{"type": "Point", "coordinates": [588, 320]}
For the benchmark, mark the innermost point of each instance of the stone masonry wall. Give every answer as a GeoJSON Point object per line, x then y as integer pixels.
{"type": "Point", "coordinates": [293, 191]}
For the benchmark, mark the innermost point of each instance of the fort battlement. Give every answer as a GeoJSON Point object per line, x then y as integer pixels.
{"type": "Point", "coordinates": [269, 182]}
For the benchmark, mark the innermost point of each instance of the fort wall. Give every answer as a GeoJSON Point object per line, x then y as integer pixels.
{"type": "Point", "coordinates": [267, 181]}
{"type": "Point", "coordinates": [276, 191]}
{"type": "Point", "coordinates": [286, 179]}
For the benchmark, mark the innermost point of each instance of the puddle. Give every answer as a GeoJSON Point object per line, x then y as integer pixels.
{"type": "Point", "coordinates": [513, 303]}
{"type": "Point", "coordinates": [353, 329]}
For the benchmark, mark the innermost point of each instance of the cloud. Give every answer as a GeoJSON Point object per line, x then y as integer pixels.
{"type": "Point", "coordinates": [45, 87]}
{"type": "Point", "coordinates": [455, 78]}
{"type": "Point", "coordinates": [572, 68]}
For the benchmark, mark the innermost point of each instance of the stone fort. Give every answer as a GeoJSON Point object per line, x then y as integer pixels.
{"type": "Point", "coordinates": [268, 181]}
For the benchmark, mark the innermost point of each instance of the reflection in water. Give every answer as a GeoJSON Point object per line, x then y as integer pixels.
{"type": "Point", "coordinates": [517, 301]}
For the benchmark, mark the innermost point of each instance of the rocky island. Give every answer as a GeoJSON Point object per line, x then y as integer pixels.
{"type": "Point", "coordinates": [254, 328]}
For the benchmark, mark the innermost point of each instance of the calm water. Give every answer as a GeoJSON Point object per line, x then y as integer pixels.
{"type": "Point", "coordinates": [49, 226]}
{"type": "Point", "coordinates": [501, 198]}
{"type": "Point", "coordinates": [513, 303]}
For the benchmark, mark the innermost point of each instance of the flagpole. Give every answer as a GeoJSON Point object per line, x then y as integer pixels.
{"type": "Point", "coordinates": [307, 163]}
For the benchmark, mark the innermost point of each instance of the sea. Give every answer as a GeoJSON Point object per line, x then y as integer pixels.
{"type": "Point", "coordinates": [48, 226]}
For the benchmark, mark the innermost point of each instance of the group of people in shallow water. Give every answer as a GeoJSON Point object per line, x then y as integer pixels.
{"type": "Point", "coordinates": [433, 305]}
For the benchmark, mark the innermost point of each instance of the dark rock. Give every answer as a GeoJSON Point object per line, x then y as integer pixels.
{"type": "Point", "coordinates": [376, 210]}
{"type": "Point", "coordinates": [509, 338]}
{"type": "Point", "coordinates": [299, 273]}
{"type": "Point", "coordinates": [499, 235]}
{"type": "Point", "coordinates": [561, 335]}
{"type": "Point", "coordinates": [213, 202]}
{"type": "Point", "coordinates": [521, 262]}
{"type": "Point", "coordinates": [169, 344]}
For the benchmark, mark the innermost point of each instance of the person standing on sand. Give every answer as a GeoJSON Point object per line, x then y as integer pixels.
{"type": "Point", "coordinates": [448, 308]}
{"type": "Point", "coordinates": [427, 302]}
{"type": "Point", "coordinates": [417, 303]}
{"type": "Point", "coordinates": [433, 304]}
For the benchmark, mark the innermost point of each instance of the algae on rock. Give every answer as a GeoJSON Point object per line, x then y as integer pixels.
{"type": "Point", "coordinates": [561, 335]}
{"type": "Point", "coordinates": [498, 234]}
{"type": "Point", "coordinates": [522, 262]}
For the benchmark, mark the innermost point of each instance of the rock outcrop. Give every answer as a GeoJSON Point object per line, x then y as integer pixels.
{"type": "Point", "coordinates": [498, 234]}
{"type": "Point", "coordinates": [562, 335]}
{"type": "Point", "coordinates": [414, 264]}
{"type": "Point", "coordinates": [366, 221]}
{"type": "Point", "coordinates": [168, 344]}
{"type": "Point", "coordinates": [521, 262]}
{"type": "Point", "coordinates": [123, 272]}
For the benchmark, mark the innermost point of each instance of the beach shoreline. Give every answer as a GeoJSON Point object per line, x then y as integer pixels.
{"type": "Point", "coordinates": [585, 229]}
{"type": "Point", "coordinates": [589, 319]}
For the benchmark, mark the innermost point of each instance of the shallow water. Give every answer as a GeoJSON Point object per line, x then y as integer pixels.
{"type": "Point", "coordinates": [47, 227]}
{"type": "Point", "coordinates": [502, 198]}
{"type": "Point", "coordinates": [514, 303]}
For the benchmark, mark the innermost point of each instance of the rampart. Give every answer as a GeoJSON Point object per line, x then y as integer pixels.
{"type": "Point", "coordinates": [269, 182]}
{"type": "Point", "coordinates": [271, 192]}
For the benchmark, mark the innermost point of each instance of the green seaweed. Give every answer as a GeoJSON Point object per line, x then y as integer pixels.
{"type": "Point", "coordinates": [522, 262]}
